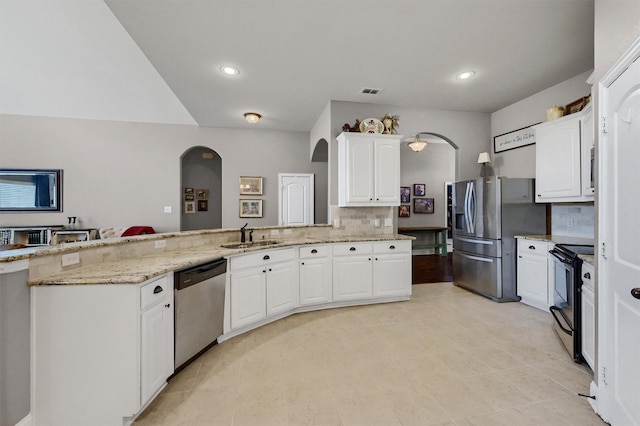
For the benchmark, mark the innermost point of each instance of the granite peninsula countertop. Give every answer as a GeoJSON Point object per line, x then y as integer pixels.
{"type": "Point", "coordinates": [139, 269]}
{"type": "Point", "coordinates": [559, 239]}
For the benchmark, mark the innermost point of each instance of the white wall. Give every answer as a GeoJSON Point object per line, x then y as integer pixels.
{"type": "Point", "coordinates": [122, 173]}
{"type": "Point", "coordinates": [521, 162]}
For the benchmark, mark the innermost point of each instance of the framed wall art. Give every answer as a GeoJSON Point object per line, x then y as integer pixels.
{"type": "Point", "coordinates": [405, 194]}
{"type": "Point", "coordinates": [418, 189]}
{"type": "Point", "coordinates": [404, 211]}
{"type": "Point", "coordinates": [250, 208]}
{"type": "Point", "coordinates": [188, 190]}
{"type": "Point", "coordinates": [423, 205]}
{"type": "Point", "coordinates": [515, 139]}
{"type": "Point", "coordinates": [189, 207]}
{"type": "Point", "coordinates": [250, 185]}
{"type": "Point", "coordinates": [203, 205]}
{"type": "Point", "coordinates": [202, 194]}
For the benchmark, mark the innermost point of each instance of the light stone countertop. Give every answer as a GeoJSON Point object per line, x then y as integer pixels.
{"type": "Point", "coordinates": [559, 239]}
{"type": "Point", "coordinates": [139, 269]}
{"type": "Point", "coordinates": [587, 258]}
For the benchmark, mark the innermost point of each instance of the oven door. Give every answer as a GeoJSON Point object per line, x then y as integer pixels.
{"type": "Point", "coordinates": [564, 306]}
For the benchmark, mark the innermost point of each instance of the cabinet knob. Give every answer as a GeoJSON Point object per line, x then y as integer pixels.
{"type": "Point", "coordinates": [168, 305]}
{"type": "Point", "coordinates": [532, 247]}
{"type": "Point", "coordinates": [270, 269]}
{"type": "Point", "coordinates": [266, 257]}
{"type": "Point", "coordinates": [352, 249]}
{"type": "Point", "coordinates": [302, 263]}
{"type": "Point", "coordinates": [314, 251]}
{"type": "Point", "coordinates": [157, 290]}
{"type": "Point", "coordinates": [587, 275]}
{"type": "Point", "coordinates": [635, 292]}
{"type": "Point", "coordinates": [392, 247]}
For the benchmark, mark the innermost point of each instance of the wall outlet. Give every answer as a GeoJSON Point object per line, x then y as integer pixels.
{"type": "Point", "coordinates": [275, 232]}
{"type": "Point", "coordinates": [161, 244]}
{"type": "Point", "coordinates": [336, 223]}
{"type": "Point", "coordinates": [570, 222]}
{"type": "Point", "coordinates": [70, 259]}
{"type": "Point", "coordinates": [288, 231]}
{"type": "Point", "coordinates": [388, 222]}
{"type": "Point", "coordinates": [376, 223]}
{"type": "Point", "coordinates": [168, 209]}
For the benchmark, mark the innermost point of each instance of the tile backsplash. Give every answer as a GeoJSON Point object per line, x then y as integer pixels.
{"type": "Point", "coordinates": [573, 220]}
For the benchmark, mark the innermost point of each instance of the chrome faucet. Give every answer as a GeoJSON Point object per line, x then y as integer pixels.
{"type": "Point", "coordinates": [250, 235]}
{"type": "Point", "coordinates": [243, 238]}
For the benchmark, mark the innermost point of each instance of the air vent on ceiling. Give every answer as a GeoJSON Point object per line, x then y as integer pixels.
{"type": "Point", "coordinates": [370, 91]}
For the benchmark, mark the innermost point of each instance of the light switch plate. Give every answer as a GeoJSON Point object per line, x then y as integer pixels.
{"type": "Point", "coordinates": [168, 209]}
{"type": "Point", "coordinates": [70, 259]}
{"type": "Point", "coordinates": [376, 223]}
{"type": "Point", "coordinates": [336, 223]}
{"type": "Point", "coordinates": [388, 222]}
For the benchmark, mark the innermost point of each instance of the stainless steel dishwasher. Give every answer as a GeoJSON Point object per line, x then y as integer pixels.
{"type": "Point", "coordinates": [199, 309]}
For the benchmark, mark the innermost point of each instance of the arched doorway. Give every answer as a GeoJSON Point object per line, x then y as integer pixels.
{"type": "Point", "coordinates": [201, 189]}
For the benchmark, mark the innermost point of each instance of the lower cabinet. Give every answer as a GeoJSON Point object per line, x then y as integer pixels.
{"type": "Point", "coordinates": [315, 275]}
{"type": "Point", "coordinates": [262, 284]}
{"type": "Point", "coordinates": [588, 316]}
{"type": "Point", "coordinates": [392, 268]}
{"type": "Point", "coordinates": [352, 271]}
{"type": "Point", "coordinates": [533, 272]}
{"type": "Point", "coordinates": [100, 352]}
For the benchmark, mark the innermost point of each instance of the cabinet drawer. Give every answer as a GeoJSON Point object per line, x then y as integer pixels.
{"type": "Point", "coordinates": [351, 249]}
{"type": "Point", "coordinates": [392, 247]}
{"type": "Point", "coordinates": [587, 277]}
{"type": "Point", "coordinates": [532, 247]}
{"type": "Point", "coordinates": [310, 252]}
{"type": "Point", "coordinates": [154, 292]}
{"type": "Point", "coordinates": [261, 257]}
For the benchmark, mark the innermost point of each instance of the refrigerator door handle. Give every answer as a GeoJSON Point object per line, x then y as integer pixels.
{"type": "Point", "coordinates": [481, 259]}
{"type": "Point", "coordinates": [467, 211]}
{"type": "Point", "coordinates": [469, 240]}
{"type": "Point", "coordinates": [472, 208]}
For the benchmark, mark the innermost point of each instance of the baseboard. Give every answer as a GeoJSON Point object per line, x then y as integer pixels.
{"type": "Point", "coordinates": [27, 421]}
{"type": "Point", "coordinates": [593, 391]}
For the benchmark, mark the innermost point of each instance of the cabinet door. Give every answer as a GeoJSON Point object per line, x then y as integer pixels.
{"type": "Point", "coordinates": [387, 172]}
{"type": "Point", "coordinates": [248, 296]}
{"type": "Point", "coordinates": [392, 275]}
{"type": "Point", "coordinates": [315, 281]}
{"type": "Point", "coordinates": [156, 349]}
{"type": "Point", "coordinates": [282, 287]}
{"type": "Point", "coordinates": [587, 154]}
{"type": "Point", "coordinates": [558, 160]}
{"type": "Point", "coordinates": [359, 173]}
{"type": "Point", "coordinates": [532, 278]}
{"type": "Point", "coordinates": [588, 325]}
{"type": "Point", "coordinates": [352, 276]}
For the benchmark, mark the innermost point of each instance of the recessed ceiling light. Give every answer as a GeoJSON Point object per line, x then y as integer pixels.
{"type": "Point", "coordinates": [229, 70]}
{"type": "Point", "coordinates": [465, 75]}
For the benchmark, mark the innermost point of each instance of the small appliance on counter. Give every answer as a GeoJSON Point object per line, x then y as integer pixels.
{"type": "Point", "coordinates": [488, 213]}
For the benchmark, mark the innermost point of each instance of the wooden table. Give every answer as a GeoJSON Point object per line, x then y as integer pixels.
{"type": "Point", "coordinates": [439, 238]}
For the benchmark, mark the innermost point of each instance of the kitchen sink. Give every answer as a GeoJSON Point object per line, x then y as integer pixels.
{"type": "Point", "coordinates": [260, 243]}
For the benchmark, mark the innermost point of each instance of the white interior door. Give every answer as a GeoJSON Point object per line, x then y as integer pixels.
{"type": "Point", "coordinates": [619, 263]}
{"type": "Point", "coordinates": [296, 199]}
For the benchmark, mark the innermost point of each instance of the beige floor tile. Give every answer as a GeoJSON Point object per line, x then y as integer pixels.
{"type": "Point", "coordinates": [447, 357]}
{"type": "Point", "coordinates": [321, 413]}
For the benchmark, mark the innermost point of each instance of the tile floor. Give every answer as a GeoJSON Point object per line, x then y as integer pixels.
{"type": "Point", "coordinates": [447, 357]}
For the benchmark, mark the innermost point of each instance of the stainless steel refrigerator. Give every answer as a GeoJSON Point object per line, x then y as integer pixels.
{"type": "Point", "coordinates": [488, 213]}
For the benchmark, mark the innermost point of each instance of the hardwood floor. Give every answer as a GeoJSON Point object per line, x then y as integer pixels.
{"type": "Point", "coordinates": [432, 268]}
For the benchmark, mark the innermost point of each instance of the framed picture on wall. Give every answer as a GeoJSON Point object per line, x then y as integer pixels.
{"type": "Point", "coordinates": [418, 189]}
{"type": "Point", "coordinates": [423, 205]}
{"type": "Point", "coordinates": [405, 194]}
{"type": "Point", "coordinates": [189, 197]}
{"type": "Point", "coordinates": [250, 185]}
{"type": "Point", "coordinates": [188, 190]}
{"type": "Point", "coordinates": [404, 211]}
{"type": "Point", "coordinates": [189, 207]}
{"type": "Point", "coordinates": [202, 194]}
{"type": "Point", "coordinates": [250, 208]}
{"type": "Point", "coordinates": [203, 205]}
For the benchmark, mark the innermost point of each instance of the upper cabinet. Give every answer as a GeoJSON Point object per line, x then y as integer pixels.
{"type": "Point", "coordinates": [564, 158]}
{"type": "Point", "coordinates": [368, 170]}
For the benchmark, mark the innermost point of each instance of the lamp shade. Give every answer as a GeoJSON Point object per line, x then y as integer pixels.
{"type": "Point", "coordinates": [484, 157]}
{"type": "Point", "coordinates": [417, 145]}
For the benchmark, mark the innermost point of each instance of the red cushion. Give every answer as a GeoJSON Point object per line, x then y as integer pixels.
{"type": "Point", "coordinates": [138, 230]}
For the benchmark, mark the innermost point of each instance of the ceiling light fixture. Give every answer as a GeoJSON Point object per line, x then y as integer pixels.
{"type": "Point", "coordinates": [252, 117]}
{"type": "Point", "coordinates": [465, 75]}
{"type": "Point", "coordinates": [229, 70]}
{"type": "Point", "coordinates": [417, 145]}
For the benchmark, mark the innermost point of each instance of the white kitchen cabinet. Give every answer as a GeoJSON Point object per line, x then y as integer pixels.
{"type": "Point", "coordinates": [392, 268]}
{"type": "Point", "coordinates": [563, 154]}
{"type": "Point", "coordinates": [262, 284]}
{"type": "Point", "coordinates": [156, 337]}
{"type": "Point", "coordinates": [588, 315]}
{"type": "Point", "coordinates": [368, 170]}
{"type": "Point", "coordinates": [100, 352]}
{"type": "Point", "coordinates": [533, 272]}
{"type": "Point", "coordinates": [352, 271]}
{"type": "Point", "coordinates": [315, 275]}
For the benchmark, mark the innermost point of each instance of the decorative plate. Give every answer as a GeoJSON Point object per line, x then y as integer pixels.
{"type": "Point", "coordinates": [371, 125]}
